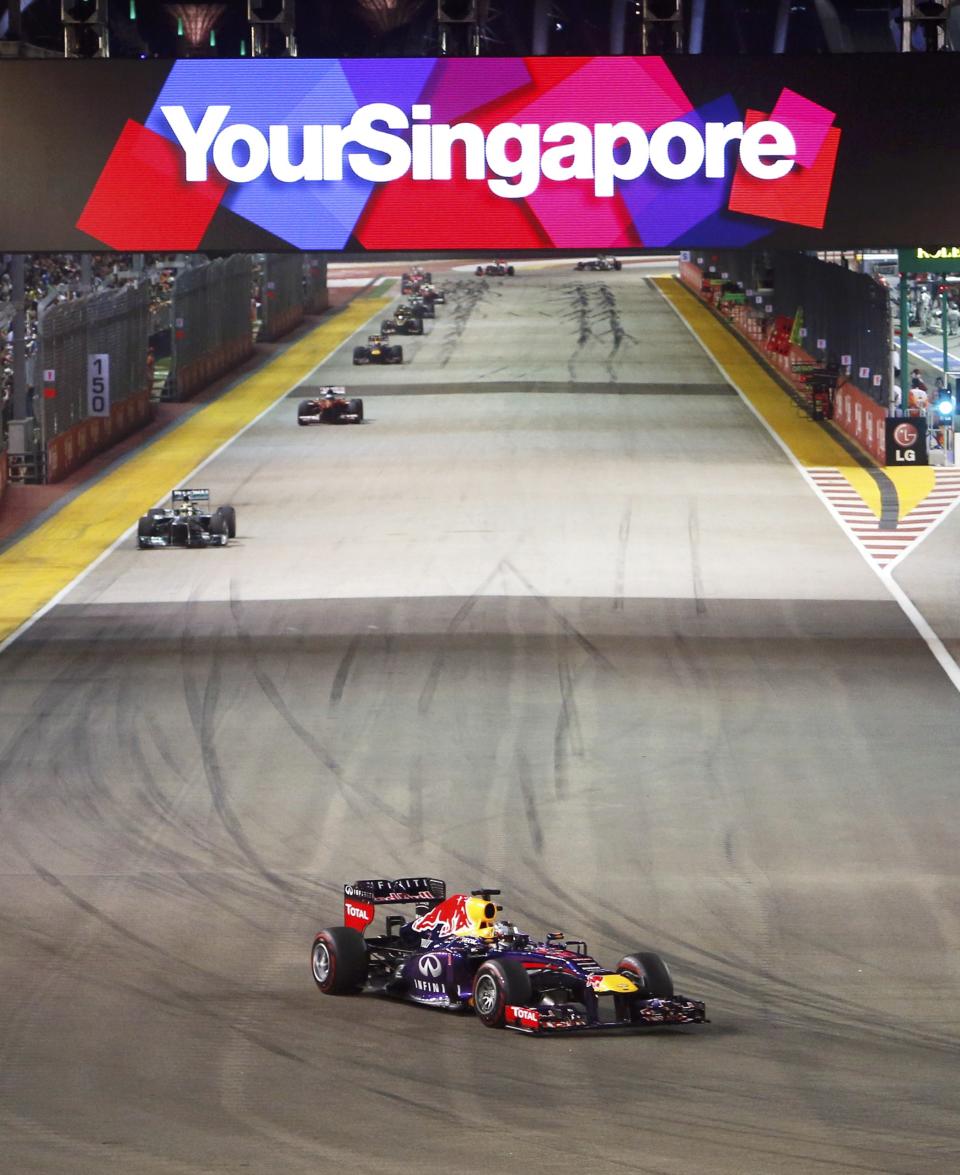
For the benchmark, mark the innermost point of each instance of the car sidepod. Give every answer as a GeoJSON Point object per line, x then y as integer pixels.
{"type": "Point", "coordinates": [430, 978]}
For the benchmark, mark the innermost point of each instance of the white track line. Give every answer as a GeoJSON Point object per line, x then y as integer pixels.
{"type": "Point", "coordinates": [913, 614]}
{"type": "Point", "coordinates": [54, 600]}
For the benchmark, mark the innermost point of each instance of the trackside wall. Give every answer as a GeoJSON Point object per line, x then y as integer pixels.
{"type": "Point", "coordinates": [282, 295]}
{"type": "Point", "coordinates": [112, 323]}
{"type": "Point", "coordinates": [316, 297]}
{"type": "Point", "coordinates": [211, 324]}
{"type": "Point", "coordinates": [858, 413]}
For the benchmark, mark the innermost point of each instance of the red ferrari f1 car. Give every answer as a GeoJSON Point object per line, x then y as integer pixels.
{"type": "Point", "coordinates": [457, 952]}
{"type": "Point", "coordinates": [331, 407]}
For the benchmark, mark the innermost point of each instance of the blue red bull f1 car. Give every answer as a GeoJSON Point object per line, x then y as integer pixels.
{"type": "Point", "coordinates": [457, 952]}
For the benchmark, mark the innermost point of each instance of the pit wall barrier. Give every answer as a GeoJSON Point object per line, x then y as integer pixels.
{"type": "Point", "coordinates": [855, 414]}
{"type": "Point", "coordinates": [70, 449]}
{"type": "Point", "coordinates": [3, 474]}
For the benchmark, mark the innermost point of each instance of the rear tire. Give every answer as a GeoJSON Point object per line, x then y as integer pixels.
{"type": "Point", "coordinates": [145, 531]}
{"type": "Point", "coordinates": [359, 355]}
{"type": "Point", "coordinates": [617, 264]}
{"type": "Point", "coordinates": [304, 408]}
{"type": "Point", "coordinates": [497, 983]}
{"type": "Point", "coordinates": [356, 408]}
{"type": "Point", "coordinates": [650, 972]}
{"type": "Point", "coordinates": [338, 960]}
{"type": "Point", "coordinates": [398, 354]}
{"type": "Point", "coordinates": [509, 271]}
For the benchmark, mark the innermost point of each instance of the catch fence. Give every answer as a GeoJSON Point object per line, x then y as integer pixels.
{"type": "Point", "coordinates": [91, 381]}
{"type": "Point", "coordinates": [281, 295]}
{"type": "Point", "coordinates": [211, 331]}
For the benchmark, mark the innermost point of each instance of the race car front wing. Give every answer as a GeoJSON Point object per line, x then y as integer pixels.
{"type": "Point", "coordinates": [574, 1017]}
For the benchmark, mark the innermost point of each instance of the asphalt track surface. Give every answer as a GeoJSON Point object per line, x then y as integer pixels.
{"type": "Point", "coordinates": [608, 652]}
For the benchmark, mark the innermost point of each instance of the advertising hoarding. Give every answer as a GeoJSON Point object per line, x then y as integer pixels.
{"type": "Point", "coordinates": [473, 153]}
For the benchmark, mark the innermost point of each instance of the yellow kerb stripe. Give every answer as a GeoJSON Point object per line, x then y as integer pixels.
{"type": "Point", "coordinates": [811, 446]}
{"type": "Point", "coordinates": [46, 561]}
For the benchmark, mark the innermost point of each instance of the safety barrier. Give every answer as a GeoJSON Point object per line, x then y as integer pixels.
{"type": "Point", "coordinates": [91, 380]}
{"type": "Point", "coordinates": [111, 325]}
{"type": "Point", "coordinates": [4, 475]}
{"type": "Point", "coordinates": [862, 418]}
{"type": "Point", "coordinates": [68, 450]}
{"type": "Point", "coordinates": [316, 296]}
{"type": "Point", "coordinates": [833, 312]}
{"type": "Point", "coordinates": [211, 332]}
{"type": "Point", "coordinates": [855, 412]}
{"type": "Point", "coordinates": [281, 295]}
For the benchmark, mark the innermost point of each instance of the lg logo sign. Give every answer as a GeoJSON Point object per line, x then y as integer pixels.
{"type": "Point", "coordinates": [907, 442]}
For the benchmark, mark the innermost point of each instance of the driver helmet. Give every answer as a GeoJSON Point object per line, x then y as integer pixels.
{"type": "Point", "coordinates": [505, 933]}
{"type": "Point", "coordinates": [330, 394]}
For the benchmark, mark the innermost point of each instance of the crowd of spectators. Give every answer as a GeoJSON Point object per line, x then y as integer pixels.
{"type": "Point", "coordinates": [59, 277]}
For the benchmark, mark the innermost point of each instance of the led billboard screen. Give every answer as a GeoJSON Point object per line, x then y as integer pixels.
{"type": "Point", "coordinates": [475, 153]}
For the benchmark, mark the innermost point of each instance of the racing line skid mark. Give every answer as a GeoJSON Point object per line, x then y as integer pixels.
{"type": "Point", "coordinates": [39, 569]}
{"type": "Point", "coordinates": [887, 545]}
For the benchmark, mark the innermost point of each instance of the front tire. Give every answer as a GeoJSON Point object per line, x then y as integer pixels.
{"type": "Point", "coordinates": [509, 271]}
{"type": "Point", "coordinates": [218, 529]}
{"type": "Point", "coordinates": [479, 271]}
{"type": "Point", "coordinates": [229, 516]}
{"type": "Point", "coordinates": [650, 973]}
{"type": "Point", "coordinates": [497, 983]}
{"type": "Point", "coordinates": [338, 960]}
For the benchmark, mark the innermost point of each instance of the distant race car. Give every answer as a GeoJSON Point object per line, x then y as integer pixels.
{"type": "Point", "coordinates": [410, 282]}
{"type": "Point", "coordinates": [423, 306]}
{"type": "Point", "coordinates": [457, 953]}
{"type": "Point", "coordinates": [332, 407]}
{"type": "Point", "coordinates": [431, 293]}
{"type": "Point", "coordinates": [187, 522]}
{"type": "Point", "coordinates": [497, 269]}
{"type": "Point", "coordinates": [602, 262]}
{"type": "Point", "coordinates": [405, 321]}
{"type": "Point", "coordinates": [378, 350]}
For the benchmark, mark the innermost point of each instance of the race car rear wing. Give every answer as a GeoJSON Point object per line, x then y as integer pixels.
{"type": "Point", "coordinates": [361, 899]}
{"type": "Point", "coordinates": [191, 495]}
